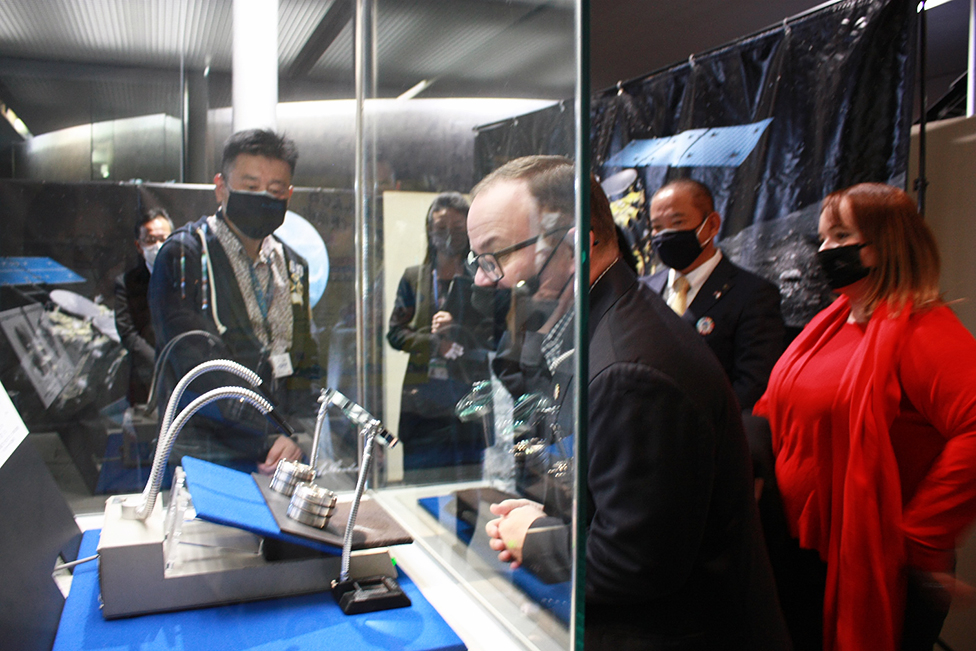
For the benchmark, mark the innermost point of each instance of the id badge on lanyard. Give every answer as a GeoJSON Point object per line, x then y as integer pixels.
{"type": "Point", "coordinates": [281, 365]}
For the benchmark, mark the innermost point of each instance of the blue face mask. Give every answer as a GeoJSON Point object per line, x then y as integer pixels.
{"type": "Point", "coordinates": [255, 214]}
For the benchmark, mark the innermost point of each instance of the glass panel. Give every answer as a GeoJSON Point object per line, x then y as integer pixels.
{"type": "Point", "coordinates": [469, 437]}
{"type": "Point", "coordinates": [391, 104]}
{"type": "Point", "coordinates": [93, 96]}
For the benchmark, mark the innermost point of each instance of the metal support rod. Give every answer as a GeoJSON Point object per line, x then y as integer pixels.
{"type": "Point", "coordinates": [367, 344]}
{"type": "Point", "coordinates": [971, 63]}
{"type": "Point", "coordinates": [369, 433]}
{"type": "Point", "coordinates": [921, 182]}
{"type": "Point", "coordinates": [184, 96]}
{"type": "Point", "coordinates": [581, 323]}
{"type": "Point", "coordinates": [361, 62]}
{"type": "Point", "coordinates": [254, 84]}
{"type": "Point", "coordinates": [319, 424]}
{"type": "Point", "coordinates": [359, 192]}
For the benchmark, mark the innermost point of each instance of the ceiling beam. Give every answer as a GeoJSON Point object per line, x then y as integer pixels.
{"type": "Point", "coordinates": [336, 17]}
{"type": "Point", "coordinates": [59, 70]}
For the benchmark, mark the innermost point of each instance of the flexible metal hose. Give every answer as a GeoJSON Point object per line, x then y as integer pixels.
{"type": "Point", "coordinates": [225, 365]}
{"type": "Point", "coordinates": [162, 442]}
{"type": "Point", "coordinates": [164, 356]}
{"type": "Point", "coordinates": [372, 429]}
{"type": "Point", "coordinates": [166, 441]}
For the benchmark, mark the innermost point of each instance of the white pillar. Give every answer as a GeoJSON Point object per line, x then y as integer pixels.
{"type": "Point", "coordinates": [255, 67]}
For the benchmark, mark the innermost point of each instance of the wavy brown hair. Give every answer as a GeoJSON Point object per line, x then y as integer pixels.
{"type": "Point", "coordinates": [908, 258]}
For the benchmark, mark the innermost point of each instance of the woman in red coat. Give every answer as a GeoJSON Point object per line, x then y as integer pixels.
{"type": "Point", "coordinates": [873, 418]}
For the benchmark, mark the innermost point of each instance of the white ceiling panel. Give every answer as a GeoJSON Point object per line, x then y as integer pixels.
{"type": "Point", "coordinates": [105, 53]}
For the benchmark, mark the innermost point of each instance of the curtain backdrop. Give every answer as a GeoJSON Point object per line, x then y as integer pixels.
{"type": "Point", "coordinates": [835, 85]}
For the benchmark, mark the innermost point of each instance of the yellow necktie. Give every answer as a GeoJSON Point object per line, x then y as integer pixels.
{"type": "Point", "coordinates": [679, 295]}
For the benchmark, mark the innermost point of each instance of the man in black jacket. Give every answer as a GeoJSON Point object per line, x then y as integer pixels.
{"type": "Point", "coordinates": [736, 312]}
{"type": "Point", "coordinates": [227, 275]}
{"type": "Point", "coordinates": [674, 554]}
{"type": "Point", "coordinates": [132, 318]}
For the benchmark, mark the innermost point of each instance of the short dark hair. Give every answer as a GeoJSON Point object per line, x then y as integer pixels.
{"type": "Point", "coordinates": [701, 194]}
{"type": "Point", "coordinates": [149, 215]}
{"type": "Point", "coordinates": [601, 217]}
{"type": "Point", "coordinates": [258, 142]}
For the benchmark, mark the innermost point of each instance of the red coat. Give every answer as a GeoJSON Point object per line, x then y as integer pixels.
{"type": "Point", "coordinates": [874, 431]}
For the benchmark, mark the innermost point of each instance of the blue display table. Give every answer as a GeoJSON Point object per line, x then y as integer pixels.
{"type": "Point", "coordinates": [35, 271]}
{"type": "Point", "coordinates": [292, 623]}
{"type": "Point", "coordinates": [554, 597]}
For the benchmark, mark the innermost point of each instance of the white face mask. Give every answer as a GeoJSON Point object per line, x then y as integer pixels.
{"type": "Point", "coordinates": [149, 253]}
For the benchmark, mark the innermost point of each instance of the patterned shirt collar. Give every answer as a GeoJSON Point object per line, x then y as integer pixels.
{"type": "Point", "coordinates": [555, 344]}
{"type": "Point", "coordinates": [269, 270]}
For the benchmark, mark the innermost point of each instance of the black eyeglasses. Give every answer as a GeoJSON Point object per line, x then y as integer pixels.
{"type": "Point", "coordinates": [488, 262]}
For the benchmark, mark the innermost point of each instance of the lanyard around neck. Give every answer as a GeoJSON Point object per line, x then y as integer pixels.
{"type": "Point", "coordinates": [263, 297]}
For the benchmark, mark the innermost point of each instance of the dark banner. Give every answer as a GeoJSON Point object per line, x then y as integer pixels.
{"type": "Point", "coordinates": [771, 123]}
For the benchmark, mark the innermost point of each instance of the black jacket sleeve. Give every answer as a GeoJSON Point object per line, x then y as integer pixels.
{"type": "Point", "coordinates": [758, 342]}
{"type": "Point", "coordinates": [650, 446]}
{"type": "Point", "coordinates": [132, 339]}
{"type": "Point", "coordinates": [402, 334]}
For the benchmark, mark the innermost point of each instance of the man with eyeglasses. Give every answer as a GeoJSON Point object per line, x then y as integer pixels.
{"type": "Point", "coordinates": [132, 319]}
{"type": "Point", "coordinates": [227, 275]}
{"type": "Point", "coordinates": [674, 555]}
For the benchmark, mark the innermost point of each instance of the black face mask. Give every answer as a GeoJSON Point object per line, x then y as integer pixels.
{"type": "Point", "coordinates": [528, 312]}
{"type": "Point", "coordinates": [450, 243]}
{"type": "Point", "coordinates": [842, 265]}
{"type": "Point", "coordinates": [677, 249]}
{"type": "Point", "coordinates": [492, 303]}
{"type": "Point", "coordinates": [256, 214]}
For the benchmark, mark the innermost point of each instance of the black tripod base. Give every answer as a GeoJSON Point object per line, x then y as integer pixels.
{"type": "Point", "coordinates": [369, 594]}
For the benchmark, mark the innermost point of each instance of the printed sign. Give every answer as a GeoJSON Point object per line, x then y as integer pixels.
{"type": "Point", "coordinates": [12, 428]}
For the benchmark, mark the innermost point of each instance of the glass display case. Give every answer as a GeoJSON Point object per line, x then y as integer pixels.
{"type": "Point", "coordinates": [388, 103]}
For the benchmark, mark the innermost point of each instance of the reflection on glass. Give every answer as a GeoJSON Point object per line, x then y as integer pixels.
{"type": "Point", "coordinates": [439, 75]}
{"type": "Point", "coordinates": [448, 341]}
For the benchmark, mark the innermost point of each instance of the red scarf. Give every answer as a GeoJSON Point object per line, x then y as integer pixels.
{"type": "Point", "coordinates": [859, 488]}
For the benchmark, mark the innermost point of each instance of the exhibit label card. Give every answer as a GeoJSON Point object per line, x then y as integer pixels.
{"type": "Point", "coordinates": [12, 428]}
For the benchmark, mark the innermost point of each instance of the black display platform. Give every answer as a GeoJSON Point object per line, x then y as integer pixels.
{"type": "Point", "coordinates": [37, 527]}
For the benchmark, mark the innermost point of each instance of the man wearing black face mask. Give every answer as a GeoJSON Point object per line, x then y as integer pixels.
{"type": "Point", "coordinates": [737, 313]}
{"type": "Point", "coordinates": [227, 275]}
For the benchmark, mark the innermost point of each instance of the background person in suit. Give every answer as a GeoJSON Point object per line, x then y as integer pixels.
{"type": "Point", "coordinates": [674, 555]}
{"type": "Point", "coordinates": [132, 318]}
{"type": "Point", "coordinates": [736, 312]}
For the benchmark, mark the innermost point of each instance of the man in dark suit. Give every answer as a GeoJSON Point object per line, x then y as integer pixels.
{"type": "Point", "coordinates": [674, 554]}
{"type": "Point", "coordinates": [132, 318]}
{"type": "Point", "coordinates": [736, 312]}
